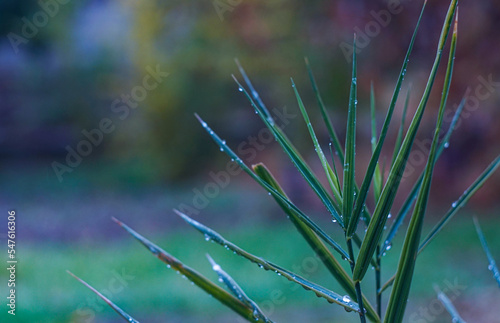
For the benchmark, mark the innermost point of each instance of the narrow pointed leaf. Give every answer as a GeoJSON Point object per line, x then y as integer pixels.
{"type": "Point", "coordinates": [237, 291]}
{"type": "Point", "coordinates": [350, 146]}
{"type": "Point", "coordinates": [317, 245]}
{"type": "Point", "coordinates": [329, 125]}
{"type": "Point", "coordinates": [377, 179]}
{"type": "Point", "coordinates": [461, 202]}
{"type": "Point", "coordinates": [297, 160]}
{"type": "Point", "coordinates": [384, 203]}
{"type": "Point", "coordinates": [287, 146]}
{"type": "Point", "coordinates": [405, 208]}
{"type": "Point", "coordinates": [399, 137]}
{"type": "Point", "coordinates": [118, 310]}
{"type": "Point", "coordinates": [406, 266]}
{"type": "Point", "coordinates": [199, 280]}
{"type": "Point", "coordinates": [320, 291]}
{"type": "Point", "coordinates": [270, 189]}
{"type": "Point", "coordinates": [456, 206]}
{"type": "Point", "coordinates": [255, 94]}
{"type": "Point", "coordinates": [492, 264]}
{"type": "Point", "coordinates": [456, 318]}
{"type": "Point", "coordinates": [330, 175]}
{"type": "Point", "coordinates": [383, 207]}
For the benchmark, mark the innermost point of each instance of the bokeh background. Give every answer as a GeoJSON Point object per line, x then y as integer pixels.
{"type": "Point", "coordinates": [68, 66]}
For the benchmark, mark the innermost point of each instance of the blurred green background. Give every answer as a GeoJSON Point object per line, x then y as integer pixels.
{"type": "Point", "coordinates": [68, 68]}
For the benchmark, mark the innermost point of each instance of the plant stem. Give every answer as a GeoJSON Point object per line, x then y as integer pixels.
{"type": "Point", "coordinates": [357, 284]}
{"type": "Point", "coordinates": [377, 283]}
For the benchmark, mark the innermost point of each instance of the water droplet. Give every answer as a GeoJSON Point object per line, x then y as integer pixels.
{"type": "Point", "coordinates": [184, 277]}
{"type": "Point", "coordinates": [269, 193]}
{"type": "Point", "coordinates": [334, 220]}
{"type": "Point", "coordinates": [389, 216]}
{"type": "Point", "coordinates": [221, 280]}
{"type": "Point", "coordinates": [388, 247]}
{"type": "Point", "coordinates": [346, 299]}
{"type": "Point", "coordinates": [216, 267]}
{"type": "Point", "coordinates": [204, 124]}
{"type": "Point", "coordinates": [454, 204]}
{"type": "Point", "coordinates": [168, 266]}
{"type": "Point", "coordinates": [490, 267]}
{"type": "Point", "coordinates": [240, 89]}
{"type": "Point", "coordinates": [446, 144]}
{"type": "Point", "coordinates": [207, 237]}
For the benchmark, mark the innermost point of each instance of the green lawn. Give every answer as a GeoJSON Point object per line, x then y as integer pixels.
{"type": "Point", "coordinates": [153, 293]}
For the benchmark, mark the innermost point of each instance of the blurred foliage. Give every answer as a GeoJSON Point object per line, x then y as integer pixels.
{"type": "Point", "coordinates": [90, 53]}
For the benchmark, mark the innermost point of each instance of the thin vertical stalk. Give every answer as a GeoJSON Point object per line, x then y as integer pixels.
{"type": "Point", "coordinates": [357, 284]}
{"type": "Point", "coordinates": [377, 284]}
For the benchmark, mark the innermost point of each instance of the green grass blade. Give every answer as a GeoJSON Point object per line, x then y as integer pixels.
{"type": "Point", "coordinates": [297, 160]}
{"type": "Point", "coordinates": [350, 145]}
{"type": "Point", "coordinates": [460, 203]}
{"type": "Point", "coordinates": [456, 318]}
{"type": "Point", "coordinates": [455, 207]}
{"type": "Point", "coordinates": [385, 203]}
{"type": "Point", "coordinates": [405, 208]}
{"type": "Point", "coordinates": [492, 264]}
{"type": "Point", "coordinates": [118, 310]}
{"type": "Point", "coordinates": [406, 266]}
{"type": "Point", "coordinates": [199, 280]}
{"type": "Point", "coordinates": [255, 94]}
{"type": "Point", "coordinates": [383, 207]}
{"type": "Point", "coordinates": [377, 179]}
{"type": "Point", "coordinates": [237, 291]}
{"type": "Point", "coordinates": [333, 266]}
{"type": "Point", "coordinates": [330, 175]}
{"type": "Point", "coordinates": [326, 118]}
{"type": "Point", "coordinates": [224, 147]}
{"type": "Point", "coordinates": [399, 137]}
{"type": "Point", "coordinates": [320, 291]}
